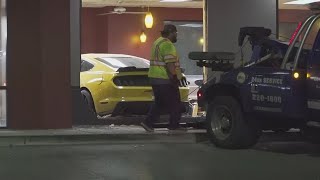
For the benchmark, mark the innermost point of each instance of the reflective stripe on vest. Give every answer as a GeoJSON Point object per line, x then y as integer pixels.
{"type": "Point", "coordinates": [157, 63]}
{"type": "Point", "coordinates": [169, 57]}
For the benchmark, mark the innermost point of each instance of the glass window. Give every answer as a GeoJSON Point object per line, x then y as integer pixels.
{"type": "Point", "coordinates": [286, 30]}
{"type": "Point", "coordinates": [3, 63]}
{"type": "Point", "coordinates": [3, 43]}
{"type": "Point", "coordinates": [120, 62]}
{"type": "Point", "coordinates": [3, 109]}
{"type": "Point", "coordinates": [312, 36]}
{"type": "Point", "coordinates": [306, 48]}
{"type": "Point", "coordinates": [86, 66]}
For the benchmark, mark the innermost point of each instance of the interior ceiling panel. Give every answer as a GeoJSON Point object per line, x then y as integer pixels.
{"type": "Point", "coordinates": [157, 3]}
{"type": "Point", "coordinates": [142, 3]}
{"type": "Point", "coordinates": [284, 6]}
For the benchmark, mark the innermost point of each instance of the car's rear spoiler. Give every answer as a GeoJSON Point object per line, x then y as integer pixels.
{"type": "Point", "coordinates": [132, 69]}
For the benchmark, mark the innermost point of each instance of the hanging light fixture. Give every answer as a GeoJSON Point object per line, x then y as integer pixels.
{"type": "Point", "coordinates": [143, 37]}
{"type": "Point", "coordinates": [148, 20]}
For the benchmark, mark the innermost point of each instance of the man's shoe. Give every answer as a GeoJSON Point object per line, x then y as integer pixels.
{"type": "Point", "coordinates": [146, 127]}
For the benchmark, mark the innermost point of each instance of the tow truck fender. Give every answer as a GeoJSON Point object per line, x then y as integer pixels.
{"type": "Point", "coordinates": [227, 85]}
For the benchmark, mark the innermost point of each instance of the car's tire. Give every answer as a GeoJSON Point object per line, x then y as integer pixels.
{"type": "Point", "coordinates": [227, 126]}
{"type": "Point", "coordinates": [89, 101]}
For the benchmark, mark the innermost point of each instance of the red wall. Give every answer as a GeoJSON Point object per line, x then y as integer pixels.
{"type": "Point", "coordinates": [120, 33]}
{"type": "Point", "coordinates": [94, 31]}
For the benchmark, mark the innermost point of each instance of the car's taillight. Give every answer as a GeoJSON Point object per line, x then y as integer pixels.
{"type": "Point", "coordinates": [124, 82]}
{"type": "Point", "coordinates": [199, 94]}
{"type": "Point", "coordinates": [131, 81]}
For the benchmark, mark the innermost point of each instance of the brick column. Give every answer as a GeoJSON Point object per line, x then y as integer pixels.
{"type": "Point", "coordinates": [39, 53]}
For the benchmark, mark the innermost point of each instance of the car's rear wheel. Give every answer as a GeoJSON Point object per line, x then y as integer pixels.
{"type": "Point", "coordinates": [226, 125]}
{"type": "Point", "coordinates": [88, 100]}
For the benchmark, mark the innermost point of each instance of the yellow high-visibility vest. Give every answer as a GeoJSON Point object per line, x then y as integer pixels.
{"type": "Point", "coordinates": [163, 52]}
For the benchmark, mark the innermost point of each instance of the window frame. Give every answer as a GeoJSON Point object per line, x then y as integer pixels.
{"type": "Point", "coordinates": [84, 61]}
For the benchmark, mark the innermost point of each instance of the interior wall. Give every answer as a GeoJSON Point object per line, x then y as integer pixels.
{"type": "Point", "coordinates": [106, 34]}
{"type": "Point", "coordinates": [120, 33]}
{"type": "Point", "coordinates": [94, 31]}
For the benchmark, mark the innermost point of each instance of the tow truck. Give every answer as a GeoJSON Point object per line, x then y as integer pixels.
{"type": "Point", "coordinates": [278, 88]}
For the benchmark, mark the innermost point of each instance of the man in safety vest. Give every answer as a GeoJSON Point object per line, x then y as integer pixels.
{"type": "Point", "coordinates": [165, 75]}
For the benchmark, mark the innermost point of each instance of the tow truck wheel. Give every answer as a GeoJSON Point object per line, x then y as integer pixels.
{"type": "Point", "coordinates": [311, 134]}
{"type": "Point", "coordinates": [226, 125]}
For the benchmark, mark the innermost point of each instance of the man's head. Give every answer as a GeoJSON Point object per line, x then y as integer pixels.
{"type": "Point", "coordinates": [170, 31]}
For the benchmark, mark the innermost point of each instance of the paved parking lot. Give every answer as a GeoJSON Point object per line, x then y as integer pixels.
{"type": "Point", "coordinates": [275, 157]}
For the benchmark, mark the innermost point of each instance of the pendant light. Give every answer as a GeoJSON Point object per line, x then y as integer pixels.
{"type": "Point", "coordinates": [148, 20]}
{"type": "Point", "coordinates": [143, 37]}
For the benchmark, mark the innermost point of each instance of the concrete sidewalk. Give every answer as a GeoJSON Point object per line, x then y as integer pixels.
{"type": "Point", "coordinates": [97, 134]}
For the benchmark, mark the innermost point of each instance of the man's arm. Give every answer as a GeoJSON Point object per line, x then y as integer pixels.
{"type": "Point", "coordinates": [171, 70]}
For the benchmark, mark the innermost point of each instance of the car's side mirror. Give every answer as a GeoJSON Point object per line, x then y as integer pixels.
{"type": "Point", "coordinates": [289, 66]}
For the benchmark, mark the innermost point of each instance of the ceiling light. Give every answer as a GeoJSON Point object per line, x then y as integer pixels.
{"type": "Point", "coordinates": [148, 21]}
{"type": "Point", "coordinates": [174, 0]}
{"type": "Point", "coordinates": [301, 2]}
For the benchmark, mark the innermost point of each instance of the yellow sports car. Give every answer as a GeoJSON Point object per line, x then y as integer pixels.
{"type": "Point", "coordinates": [118, 84]}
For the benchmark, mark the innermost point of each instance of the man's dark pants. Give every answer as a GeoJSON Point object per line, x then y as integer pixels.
{"type": "Point", "coordinates": [166, 99]}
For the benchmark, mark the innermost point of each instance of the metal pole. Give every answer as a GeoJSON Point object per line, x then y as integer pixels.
{"type": "Point", "coordinates": [205, 36]}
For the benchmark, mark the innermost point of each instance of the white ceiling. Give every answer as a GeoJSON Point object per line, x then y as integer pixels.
{"type": "Point", "coordinates": [157, 3]}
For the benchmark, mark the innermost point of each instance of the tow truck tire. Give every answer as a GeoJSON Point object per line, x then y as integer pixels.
{"type": "Point", "coordinates": [311, 134]}
{"type": "Point", "coordinates": [226, 125]}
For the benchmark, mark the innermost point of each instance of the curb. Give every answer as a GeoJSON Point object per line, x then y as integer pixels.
{"type": "Point", "coordinates": [73, 139]}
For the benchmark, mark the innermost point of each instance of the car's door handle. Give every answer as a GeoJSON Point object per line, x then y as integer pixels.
{"type": "Point", "coordinates": [254, 88]}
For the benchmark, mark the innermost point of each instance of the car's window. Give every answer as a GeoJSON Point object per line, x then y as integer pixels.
{"type": "Point", "coordinates": [86, 66]}
{"type": "Point", "coordinates": [120, 62]}
{"type": "Point", "coordinates": [307, 46]}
